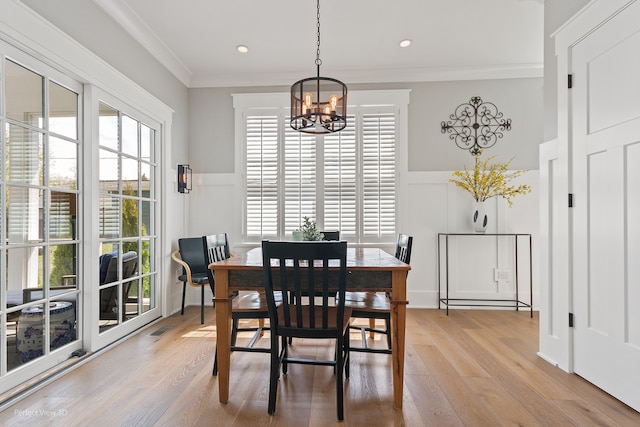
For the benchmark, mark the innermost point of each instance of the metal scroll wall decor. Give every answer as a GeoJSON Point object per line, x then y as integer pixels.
{"type": "Point", "coordinates": [476, 125]}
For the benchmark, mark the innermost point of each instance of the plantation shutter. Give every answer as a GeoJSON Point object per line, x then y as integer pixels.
{"type": "Point", "coordinates": [344, 181]}
{"type": "Point", "coordinates": [262, 177]}
{"type": "Point", "coordinates": [300, 178]}
{"type": "Point", "coordinates": [340, 181]}
{"type": "Point", "coordinates": [379, 175]}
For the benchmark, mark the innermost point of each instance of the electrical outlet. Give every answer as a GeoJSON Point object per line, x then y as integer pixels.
{"type": "Point", "coordinates": [501, 275]}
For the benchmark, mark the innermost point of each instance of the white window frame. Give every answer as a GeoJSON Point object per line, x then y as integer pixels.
{"type": "Point", "coordinates": [396, 100]}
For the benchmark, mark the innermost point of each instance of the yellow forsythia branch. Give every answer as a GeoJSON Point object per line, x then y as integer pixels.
{"type": "Point", "coordinates": [487, 180]}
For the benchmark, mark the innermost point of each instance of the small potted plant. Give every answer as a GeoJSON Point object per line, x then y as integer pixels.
{"type": "Point", "coordinates": [309, 230]}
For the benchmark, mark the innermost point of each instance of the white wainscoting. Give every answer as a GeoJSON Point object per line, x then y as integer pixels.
{"type": "Point", "coordinates": [437, 206]}
{"type": "Point", "coordinates": [433, 205]}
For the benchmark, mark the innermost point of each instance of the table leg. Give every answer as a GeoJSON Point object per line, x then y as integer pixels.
{"type": "Point", "coordinates": [398, 324]}
{"type": "Point", "coordinates": [223, 332]}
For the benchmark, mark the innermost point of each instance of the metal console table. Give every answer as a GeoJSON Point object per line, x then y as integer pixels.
{"type": "Point", "coordinates": [516, 303]}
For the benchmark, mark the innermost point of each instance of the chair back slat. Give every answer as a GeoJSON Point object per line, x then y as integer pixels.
{"type": "Point", "coordinates": [305, 270]}
{"type": "Point", "coordinates": [216, 248]}
{"type": "Point", "coordinates": [403, 248]}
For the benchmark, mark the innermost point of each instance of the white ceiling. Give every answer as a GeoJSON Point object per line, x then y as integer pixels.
{"type": "Point", "coordinates": [451, 39]}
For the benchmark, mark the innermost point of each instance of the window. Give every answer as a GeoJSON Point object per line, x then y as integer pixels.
{"type": "Point", "coordinates": [345, 181]}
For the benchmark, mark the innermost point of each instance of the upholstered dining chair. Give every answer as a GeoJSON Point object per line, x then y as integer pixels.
{"type": "Point", "coordinates": [195, 268]}
{"type": "Point", "coordinates": [245, 305]}
{"type": "Point", "coordinates": [302, 268]}
{"type": "Point", "coordinates": [376, 305]}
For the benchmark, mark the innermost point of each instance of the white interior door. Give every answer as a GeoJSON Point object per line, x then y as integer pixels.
{"type": "Point", "coordinates": [606, 215]}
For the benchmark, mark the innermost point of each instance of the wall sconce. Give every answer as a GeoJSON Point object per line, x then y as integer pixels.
{"type": "Point", "coordinates": [476, 125]}
{"type": "Point", "coordinates": [184, 179]}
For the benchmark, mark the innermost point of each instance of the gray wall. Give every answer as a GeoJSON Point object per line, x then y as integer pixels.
{"type": "Point", "coordinates": [211, 123]}
{"type": "Point", "coordinates": [84, 21]}
{"type": "Point", "coordinates": [556, 13]}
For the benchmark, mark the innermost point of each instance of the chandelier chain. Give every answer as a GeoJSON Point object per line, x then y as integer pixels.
{"type": "Point", "coordinates": [318, 60]}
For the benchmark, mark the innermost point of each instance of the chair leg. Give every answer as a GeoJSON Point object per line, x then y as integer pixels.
{"type": "Point", "coordinates": [234, 332]}
{"type": "Point", "coordinates": [202, 305]}
{"type": "Point", "coordinates": [285, 354]}
{"type": "Point", "coordinates": [274, 373]}
{"type": "Point", "coordinates": [215, 363]}
{"type": "Point", "coordinates": [347, 346]}
{"type": "Point", "coordinates": [184, 293]}
{"type": "Point", "coordinates": [339, 379]}
{"type": "Point", "coordinates": [388, 333]}
{"type": "Point", "coordinates": [372, 325]}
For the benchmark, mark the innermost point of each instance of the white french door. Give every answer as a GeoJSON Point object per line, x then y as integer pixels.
{"type": "Point", "coordinates": [606, 214]}
{"type": "Point", "coordinates": [124, 260]}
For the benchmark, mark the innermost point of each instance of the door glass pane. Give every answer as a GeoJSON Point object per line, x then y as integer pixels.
{"type": "Point", "coordinates": [129, 136]}
{"type": "Point", "coordinates": [146, 142]}
{"type": "Point", "coordinates": [63, 111]}
{"type": "Point", "coordinates": [108, 262]}
{"type": "Point", "coordinates": [129, 218]}
{"type": "Point", "coordinates": [148, 174]}
{"type": "Point", "coordinates": [147, 215]}
{"type": "Point", "coordinates": [109, 172]}
{"type": "Point", "coordinates": [24, 156]}
{"type": "Point", "coordinates": [145, 261]}
{"type": "Point", "coordinates": [145, 173]}
{"type": "Point", "coordinates": [109, 217]}
{"type": "Point", "coordinates": [24, 221]}
{"type": "Point", "coordinates": [108, 127]}
{"type": "Point", "coordinates": [62, 264]}
{"type": "Point", "coordinates": [148, 293]}
{"type": "Point", "coordinates": [62, 321]}
{"type": "Point", "coordinates": [109, 297]}
{"type": "Point", "coordinates": [62, 215]}
{"type": "Point", "coordinates": [24, 89]}
{"type": "Point", "coordinates": [13, 360]}
{"type": "Point", "coordinates": [26, 263]}
{"type": "Point", "coordinates": [130, 185]}
{"type": "Point", "coordinates": [63, 164]}
{"type": "Point", "coordinates": [30, 333]}
{"type": "Point", "coordinates": [132, 289]}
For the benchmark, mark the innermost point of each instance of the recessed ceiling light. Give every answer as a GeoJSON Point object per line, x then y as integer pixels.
{"type": "Point", "coordinates": [242, 48]}
{"type": "Point", "coordinates": [405, 43]}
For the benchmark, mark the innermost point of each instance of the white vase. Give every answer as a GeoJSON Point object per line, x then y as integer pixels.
{"type": "Point", "coordinates": [479, 218]}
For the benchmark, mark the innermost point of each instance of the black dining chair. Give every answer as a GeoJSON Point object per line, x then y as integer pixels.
{"type": "Point", "coordinates": [327, 236]}
{"type": "Point", "coordinates": [330, 235]}
{"type": "Point", "coordinates": [244, 306]}
{"type": "Point", "coordinates": [376, 305]}
{"type": "Point", "coordinates": [301, 269]}
{"type": "Point", "coordinates": [195, 268]}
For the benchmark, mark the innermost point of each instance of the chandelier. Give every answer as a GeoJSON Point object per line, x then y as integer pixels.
{"type": "Point", "coordinates": [318, 104]}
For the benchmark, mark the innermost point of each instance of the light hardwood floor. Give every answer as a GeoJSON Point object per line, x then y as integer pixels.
{"type": "Point", "coordinates": [472, 368]}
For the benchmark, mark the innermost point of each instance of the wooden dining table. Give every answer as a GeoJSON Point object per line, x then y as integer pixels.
{"type": "Point", "coordinates": [369, 269]}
